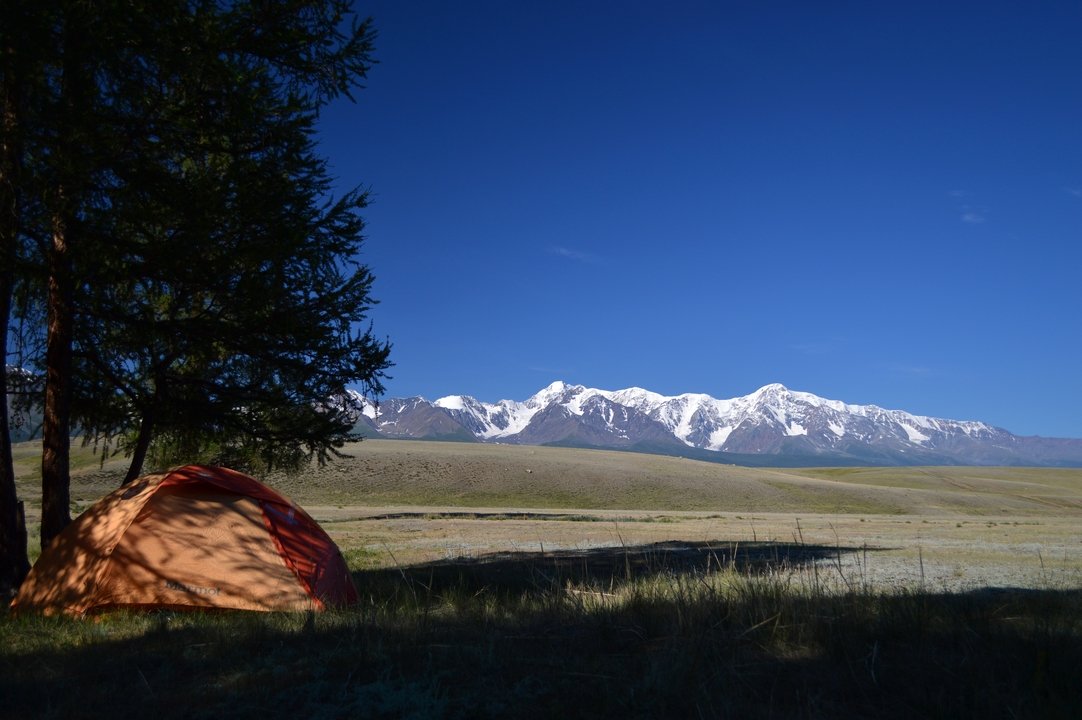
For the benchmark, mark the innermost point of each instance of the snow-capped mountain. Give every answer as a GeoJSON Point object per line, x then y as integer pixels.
{"type": "Point", "coordinates": [771, 425]}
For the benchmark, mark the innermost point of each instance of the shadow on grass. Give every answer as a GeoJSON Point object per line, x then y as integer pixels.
{"type": "Point", "coordinates": [601, 567]}
{"type": "Point", "coordinates": [699, 630]}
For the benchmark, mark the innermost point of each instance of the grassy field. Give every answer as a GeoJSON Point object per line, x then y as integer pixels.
{"type": "Point", "coordinates": [542, 582]}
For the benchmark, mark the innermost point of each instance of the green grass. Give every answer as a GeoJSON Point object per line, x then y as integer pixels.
{"type": "Point", "coordinates": [824, 499]}
{"type": "Point", "coordinates": [27, 459]}
{"type": "Point", "coordinates": [665, 631]}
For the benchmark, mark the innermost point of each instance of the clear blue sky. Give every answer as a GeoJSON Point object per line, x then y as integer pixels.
{"type": "Point", "coordinates": [874, 202]}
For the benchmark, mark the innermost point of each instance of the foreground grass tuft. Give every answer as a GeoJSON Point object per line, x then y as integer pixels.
{"type": "Point", "coordinates": [538, 636]}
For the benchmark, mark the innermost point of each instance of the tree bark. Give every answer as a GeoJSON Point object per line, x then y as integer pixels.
{"type": "Point", "coordinates": [14, 563]}
{"type": "Point", "coordinates": [142, 444]}
{"type": "Point", "coordinates": [70, 169]}
{"type": "Point", "coordinates": [56, 422]}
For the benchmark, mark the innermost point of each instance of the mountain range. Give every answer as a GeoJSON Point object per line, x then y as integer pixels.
{"type": "Point", "coordinates": [773, 426]}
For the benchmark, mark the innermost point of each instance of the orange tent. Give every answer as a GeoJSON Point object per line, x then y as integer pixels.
{"type": "Point", "coordinates": [194, 537]}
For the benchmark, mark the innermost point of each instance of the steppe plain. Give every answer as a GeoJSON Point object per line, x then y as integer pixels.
{"type": "Point", "coordinates": [535, 582]}
{"type": "Point", "coordinates": [394, 504]}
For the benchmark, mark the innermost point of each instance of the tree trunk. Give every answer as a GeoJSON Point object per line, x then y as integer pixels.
{"type": "Point", "coordinates": [14, 564]}
{"type": "Point", "coordinates": [56, 424]}
{"type": "Point", "coordinates": [71, 169]}
{"type": "Point", "coordinates": [142, 444]}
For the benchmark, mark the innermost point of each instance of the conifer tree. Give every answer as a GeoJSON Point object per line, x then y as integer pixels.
{"type": "Point", "coordinates": [20, 65]}
{"type": "Point", "coordinates": [199, 279]}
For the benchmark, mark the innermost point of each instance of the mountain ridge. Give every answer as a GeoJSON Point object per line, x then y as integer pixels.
{"type": "Point", "coordinates": [770, 425]}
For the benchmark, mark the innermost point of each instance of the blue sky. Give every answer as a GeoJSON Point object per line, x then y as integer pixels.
{"type": "Point", "coordinates": [874, 202]}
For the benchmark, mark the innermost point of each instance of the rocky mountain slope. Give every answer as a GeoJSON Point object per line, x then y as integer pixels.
{"type": "Point", "coordinates": [771, 426]}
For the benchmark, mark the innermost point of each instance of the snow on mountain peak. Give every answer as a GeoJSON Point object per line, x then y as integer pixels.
{"type": "Point", "coordinates": [553, 391]}
{"type": "Point", "coordinates": [451, 402]}
{"type": "Point", "coordinates": [700, 420]}
{"type": "Point", "coordinates": [771, 389]}
{"type": "Point", "coordinates": [770, 420]}
{"type": "Point", "coordinates": [636, 397]}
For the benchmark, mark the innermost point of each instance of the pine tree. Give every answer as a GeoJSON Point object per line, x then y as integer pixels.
{"type": "Point", "coordinates": [232, 335]}
{"type": "Point", "coordinates": [234, 309]}
{"type": "Point", "coordinates": [198, 280]}
{"type": "Point", "coordinates": [19, 64]}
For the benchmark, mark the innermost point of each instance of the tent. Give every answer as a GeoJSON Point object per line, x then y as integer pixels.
{"type": "Point", "coordinates": [194, 537]}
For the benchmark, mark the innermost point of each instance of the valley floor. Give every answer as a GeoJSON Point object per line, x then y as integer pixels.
{"type": "Point", "coordinates": [401, 503]}
{"type": "Point", "coordinates": [844, 551]}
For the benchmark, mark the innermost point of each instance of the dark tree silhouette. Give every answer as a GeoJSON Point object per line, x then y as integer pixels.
{"type": "Point", "coordinates": [198, 278]}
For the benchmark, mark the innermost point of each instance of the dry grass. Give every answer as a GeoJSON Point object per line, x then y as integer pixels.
{"type": "Point", "coordinates": [644, 633]}
{"type": "Point", "coordinates": [427, 501]}
{"type": "Point", "coordinates": [391, 472]}
{"type": "Point", "coordinates": [385, 472]}
{"type": "Point", "coordinates": [539, 582]}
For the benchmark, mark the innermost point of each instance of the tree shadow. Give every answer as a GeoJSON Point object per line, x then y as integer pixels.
{"type": "Point", "coordinates": [608, 567]}
{"type": "Point", "coordinates": [513, 637]}
{"type": "Point", "coordinates": [994, 653]}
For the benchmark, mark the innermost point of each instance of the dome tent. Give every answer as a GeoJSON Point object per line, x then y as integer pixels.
{"type": "Point", "coordinates": [194, 537]}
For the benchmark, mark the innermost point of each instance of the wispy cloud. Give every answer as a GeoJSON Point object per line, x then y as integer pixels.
{"type": "Point", "coordinates": [1076, 191]}
{"type": "Point", "coordinates": [973, 216]}
{"type": "Point", "coordinates": [575, 255]}
{"type": "Point", "coordinates": [967, 211]}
